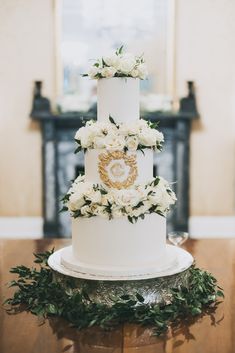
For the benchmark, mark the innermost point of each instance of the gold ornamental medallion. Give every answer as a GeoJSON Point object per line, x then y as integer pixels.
{"type": "Point", "coordinates": [117, 169]}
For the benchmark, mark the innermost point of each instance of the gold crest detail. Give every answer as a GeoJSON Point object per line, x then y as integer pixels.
{"type": "Point", "coordinates": [117, 161]}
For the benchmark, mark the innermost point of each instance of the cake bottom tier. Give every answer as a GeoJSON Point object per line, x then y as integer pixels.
{"type": "Point", "coordinates": [117, 247]}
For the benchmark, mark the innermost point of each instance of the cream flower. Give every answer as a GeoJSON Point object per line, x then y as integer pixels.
{"type": "Point", "coordinates": [112, 60]}
{"type": "Point", "coordinates": [108, 72]}
{"type": "Point", "coordinates": [114, 142]}
{"type": "Point", "coordinates": [127, 197]}
{"type": "Point", "coordinates": [76, 202]}
{"type": "Point", "coordinates": [147, 137]}
{"type": "Point", "coordinates": [98, 142]}
{"type": "Point", "coordinates": [93, 196]}
{"type": "Point", "coordinates": [127, 63]}
{"type": "Point", "coordinates": [143, 72]}
{"type": "Point", "coordinates": [134, 73]}
{"type": "Point", "coordinates": [93, 72]}
{"type": "Point", "coordinates": [132, 143]}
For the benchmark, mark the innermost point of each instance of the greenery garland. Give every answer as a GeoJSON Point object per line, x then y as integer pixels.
{"type": "Point", "coordinates": [40, 294]}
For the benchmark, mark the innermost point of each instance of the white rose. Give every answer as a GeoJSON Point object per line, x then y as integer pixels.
{"type": "Point", "coordinates": [127, 63]}
{"type": "Point", "coordinates": [127, 197]}
{"type": "Point", "coordinates": [98, 142]}
{"type": "Point", "coordinates": [112, 60]}
{"type": "Point", "coordinates": [160, 196]}
{"type": "Point", "coordinates": [113, 142]}
{"type": "Point", "coordinates": [157, 196]}
{"type": "Point", "coordinates": [84, 135]}
{"type": "Point", "coordinates": [108, 72]}
{"type": "Point", "coordinates": [116, 212]}
{"type": "Point", "coordinates": [79, 133]}
{"type": "Point", "coordinates": [86, 210]}
{"type": "Point", "coordinates": [100, 211]}
{"type": "Point", "coordinates": [108, 198]}
{"type": "Point", "coordinates": [129, 129]}
{"type": "Point", "coordinates": [143, 72]}
{"type": "Point", "coordinates": [93, 72]}
{"type": "Point", "coordinates": [142, 124]}
{"type": "Point", "coordinates": [107, 127]}
{"type": "Point", "coordinates": [76, 201]}
{"type": "Point", "coordinates": [95, 130]}
{"type": "Point", "coordinates": [132, 143]}
{"type": "Point", "coordinates": [159, 136]}
{"type": "Point", "coordinates": [75, 184]}
{"type": "Point", "coordinates": [93, 196]}
{"type": "Point", "coordinates": [147, 137]}
{"type": "Point", "coordinates": [134, 73]}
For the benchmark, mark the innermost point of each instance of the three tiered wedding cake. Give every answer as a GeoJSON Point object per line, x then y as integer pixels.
{"type": "Point", "coordinates": [118, 207]}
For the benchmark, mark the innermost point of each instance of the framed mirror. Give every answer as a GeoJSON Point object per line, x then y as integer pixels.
{"type": "Point", "coordinates": [89, 28]}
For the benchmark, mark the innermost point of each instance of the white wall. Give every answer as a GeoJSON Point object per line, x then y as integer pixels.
{"type": "Point", "coordinates": [26, 54]}
{"type": "Point", "coordinates": [205, 53]}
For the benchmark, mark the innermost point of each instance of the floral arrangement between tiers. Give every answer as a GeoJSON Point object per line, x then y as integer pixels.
{"type": "Point", "coordinates": [131, 136]}
{"type": "Point", "coordinates": [119, 64]}
{"type": "Point", "coordinates": [85, 199]}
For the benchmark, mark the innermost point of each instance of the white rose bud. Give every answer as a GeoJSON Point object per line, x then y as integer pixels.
{"type": "Point", "coordinates": [112, 60]}
{"type": "Point", "coordinates": [93, 196]}
{"type": "Point", "coordinates": [127, 63]}
{"type": "Point", "coordinates": [143, 72]}
{"type": "Point", "coordinates": [132, 143]}
{"type": "Point", "coordinates": [85, 210]}
{"type": "Point", "coordinates": [147, 137]}
{"type": "Point", "coordinates": [93, 72]}
{"type": "Point", "coordinates": [134, 73]}
{"type": "Point", "coordinates": [116, 212]}
{"type": "Point", "coordinates": [98, 142]}
{"type": "Point", "coordinates": [114, 142]}
{"type": "Point", "coordinates": [75, 202]}
{"type": "Point", "coordinates": [108, 72]}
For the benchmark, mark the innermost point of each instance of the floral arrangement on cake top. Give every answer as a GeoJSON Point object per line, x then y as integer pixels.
{"type": "Point", "coordinates": [119, 64]}
{"type": "Point", "coordinates": [85, 199]}
{"type": "Point", "coordinates": [131, 136]}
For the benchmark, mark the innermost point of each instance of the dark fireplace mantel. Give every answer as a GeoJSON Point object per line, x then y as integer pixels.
{"type": "Point", "coordinates": [61, 165]}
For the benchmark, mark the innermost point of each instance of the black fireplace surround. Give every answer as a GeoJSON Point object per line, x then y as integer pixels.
{"type": "Point", "coordinates": [61, 165]}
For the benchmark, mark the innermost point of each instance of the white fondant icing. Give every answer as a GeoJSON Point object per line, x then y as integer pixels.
{"type": "Point", "coordinates": [168, 263]}
{"type": "Point", "coordinates": [118, 97]}
{"type": "Point", "coordinates": [144, 165]}
{"type": "Point", "coordinates": [62, 261]}
{"type": "Point", "coordinates": [118, 243]}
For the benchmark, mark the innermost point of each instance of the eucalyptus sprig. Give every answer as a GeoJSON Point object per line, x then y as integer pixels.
{"type": "Point", "coordinates": [42, 295]}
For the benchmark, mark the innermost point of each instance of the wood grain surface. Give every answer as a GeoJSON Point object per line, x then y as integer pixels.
{"type": "Point", "coordinates": [25, 333]}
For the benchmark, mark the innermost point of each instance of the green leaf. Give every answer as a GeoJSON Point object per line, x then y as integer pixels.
{"type": "Point", "coordinates": [125, 297]}
{"type": "Point", "coordinates": [113, 122]}
{"type": "Point", "coordinates": [196, 311]}
{"type": "Point", "coordinates": [120, 50]}
{"type": "Point", "coordinates": [63, 209]}
{"type": "Point", "coordinates": [139, 298]}
{"type": "Point", "coordinates": [219, 293]}
{"type": "Point", "coordinates": [38, 291]}
{"type": "Point", "coordinates": [51, 309]}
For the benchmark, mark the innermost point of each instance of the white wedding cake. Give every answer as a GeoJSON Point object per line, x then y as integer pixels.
{"type": "Point", "coordinates": [118, 207]}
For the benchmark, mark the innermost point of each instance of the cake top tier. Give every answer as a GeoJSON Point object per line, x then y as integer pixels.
{"type": "Point", "coordinates": [118, 98]}
{"type": "Point", "coordinates": [118, 85]}
{"type": "Point", "coordinates": [118, 64]}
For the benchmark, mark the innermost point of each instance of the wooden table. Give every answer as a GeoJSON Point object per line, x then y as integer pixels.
{"type": "Point", "coordinates": [22, 333]}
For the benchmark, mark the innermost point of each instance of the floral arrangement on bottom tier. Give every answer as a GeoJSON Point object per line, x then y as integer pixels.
{"type": "Point", "coordinates": [38, 292]}
{"type": "Point", "coordinates": [85, 199]}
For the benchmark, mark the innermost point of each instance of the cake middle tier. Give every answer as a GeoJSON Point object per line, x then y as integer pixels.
{"type": "Point", "coordinates": [119, 98]}
{"type": "Point", "coordinates": [118, 169]}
